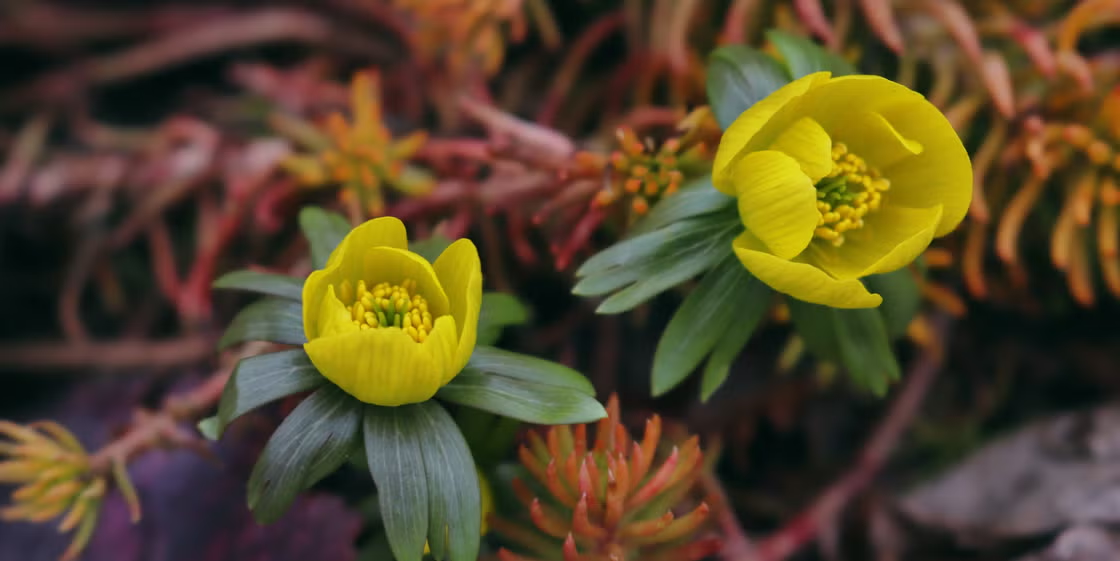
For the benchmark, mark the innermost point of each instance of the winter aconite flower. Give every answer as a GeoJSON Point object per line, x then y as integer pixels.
{"type": "Point", "coordinates": [385, 325]}
{"type": "Point", "coordinates": [840, 178]}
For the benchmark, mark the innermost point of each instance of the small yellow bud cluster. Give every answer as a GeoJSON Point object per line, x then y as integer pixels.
{"type": "Point", "coordinates": [388, 305]}
{"type": "Point", "coordinates": [848, 193]}
{"type": "Point", "coordinates": [361, 155]}
{"type": "Point", "coordinates": [642, 173]}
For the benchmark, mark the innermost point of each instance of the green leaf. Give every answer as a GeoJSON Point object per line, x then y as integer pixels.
{"type": "Point", "coordinates": [454, 499]}
{"type": "Point", "coordinates": [324, 230]}
{"type": "Point", "coordinates": [815, 325]}
{"type": "Point", "coordinates": [624, 255]}
{"type": "Point", "coordinates": [682, 260]}
{"type": "Point", "coordinates": [694, 199]}
{"type": "Point", "coordinates": [732, 341]}
{"type": "Point", "coordinates": [271, 284]}
{"type": "Point", "coordinates": [750, 305]}
{"type": "Point", "coordinates": [901, 299]}
{"type": "Point", "coordinates": [278, 320]}
{"type": "Point", "coordinates": [260, 379]}
{"type": "Point", "coordinates": [489, 436]}
{"type": "Point", "coordinates": [396, 462]}
{"type": "Point", "coordinates": [706, 314]}
{"type": "Point", "coordinates": [738, 77]}
{"type": "Point", "coordinates": [803, 57]}
{"type": "Point", "coordinates": [529, 369]}
{"type": "Point", "coordinates": [640, 268]}
{"type": "Point", "coordinates": [430, 248]}
{"type": "Point", "coordinates": [208, 427]}
{"type": "Point", "coordinates": [865, 348]}
{"type": "Point", "coordinates": [499, 310]}
{"type": "Point", "coordinates": [856, 339]}
{"type": "Point", "coordinates": [529, 401]}
{"type": "Point", "coordinates": [313, 441]}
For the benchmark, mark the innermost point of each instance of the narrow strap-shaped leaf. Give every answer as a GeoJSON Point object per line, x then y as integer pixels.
{"type": "Point", "coordinates": [627, 253]}
{"type": "Point", "coordinates": [454, 499]}
{"type": "Point", "coordinates": [804, 57]}
{"type": "Point", "coordinates": [698, 197]}
{"type": "Point", "coordinates": [313, 441]}
{"type": "Point", "coordinates": [753, 301]}
{"type": "Point", "coordinates": [617, 266]}
{"type": "Point", "coordinates": [814, 324]}
{"type": "Point", "coordinates": [901, 299]}
{"type": "Point", "coordinates": [271, 284]}
{"type": "Point", "coordinates": [705, 315]}
{"type": "Point", "coordinates": [499, 309]}
{"type": "Point", "coordinates": [739, 76]}
{"type": "Point", "coordinates": [528, 368]}
{"type": "Point", "coordinates": [523, 400]}
{"type": "Point", "coordinates": [673, 267]}
{"type": "Point", "coordinates": [260, 379]}
{"type": "Point", "coordinates": [865, 348]}
{"type": "Point", "coordinates": [396, 462]}
{"type": "Point", "coordinates": [277, 320]}
{"type": "Point", "coordinates": [323, 230]}
{"type": "Point", "coordinates": [856, 339]}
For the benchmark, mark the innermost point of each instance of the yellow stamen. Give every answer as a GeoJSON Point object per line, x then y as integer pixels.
{"type": "Point", "coordinates": [848, 193]}
{"type": "Point", "coordinates": [387, 305]}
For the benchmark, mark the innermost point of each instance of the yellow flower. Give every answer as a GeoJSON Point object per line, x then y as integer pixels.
{"type": "Point", "coordinates": [840, 178]}
{"type": "Point", "coordinates": [385, 325]}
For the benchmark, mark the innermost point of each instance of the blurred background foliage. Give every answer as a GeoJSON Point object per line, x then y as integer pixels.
{"type": "Point", "coordinates": [149, 147]}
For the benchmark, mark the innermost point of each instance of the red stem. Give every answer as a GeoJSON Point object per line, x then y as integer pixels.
{"type": "Point", "coordinates": [805, 527]}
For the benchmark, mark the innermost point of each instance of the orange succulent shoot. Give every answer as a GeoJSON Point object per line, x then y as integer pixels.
{"type": "Point", "coordinates": [361, 155]}
{"type": "Point", "coordinates": [840, 178]}
{"type": "Point", "coordinates": [383, 323]}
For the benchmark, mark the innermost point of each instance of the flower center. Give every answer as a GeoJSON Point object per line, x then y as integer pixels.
{"type": "Point", "coordinates": [848, 193]}
{"type": "Point", "coordinates": [389, 306]}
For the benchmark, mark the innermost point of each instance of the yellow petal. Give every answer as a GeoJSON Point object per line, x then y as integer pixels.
{"type": "Point", "coordinates": [800, 280]}
{"type": "Point", "coordinates": [387, 231]}
{"type": "Point", "coordinates": [347, 262]}
{"type": "Point", "coordinates": [869, 135]}
{"type": "Point", "coordinates": [442, 344]}
{"type": "Point", "coordinates": [388, 264]}
{"type": "Point", "coordinates": [777, 201]}
{"type": "Point", "coordinates": [891, 239]}
{"type": "Point", "coordinates": [808, 143]}
{"type": "Point", "coordinates": [382, 366]}
{"type": "Point", "coordinates": [738, 137]}
{"type": "Point", "coordinates": [460, 272]}
{"type": "Point", "coordinates": [940, 174]}
{"type": "Point", "coordinates": [334, 318]}
{"type": "Point", "coordinates": [851, 109]}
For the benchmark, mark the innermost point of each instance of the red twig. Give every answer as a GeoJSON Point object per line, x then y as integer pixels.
{"type": "Point", "coordinates": [581, 49]}
{"type": "Point", "coordinates": [806, 526]}
{"type": "Point", "coordinates": [54, 27]}
{"type": "Point", "coordinates": [195, 41]}
{"type": "Point", "coordinates": [59, 355]}
{"type": "Point", "coordinates": [164, 426]}
{"type": "Point", "coordinates": [162, 252]}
